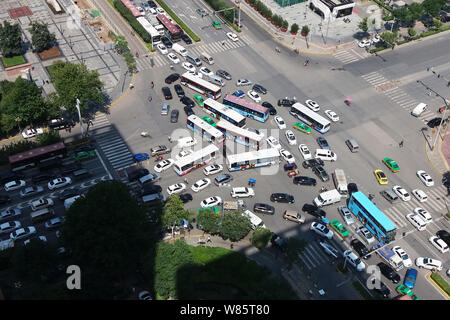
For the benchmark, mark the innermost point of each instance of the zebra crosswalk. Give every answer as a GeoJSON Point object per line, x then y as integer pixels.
{"type": "Point", "coordinates": [391, 89]}
{"type": "Point", "coordinates": [349, 56]}
{"type": "Point", "coordinates": [314, 256]}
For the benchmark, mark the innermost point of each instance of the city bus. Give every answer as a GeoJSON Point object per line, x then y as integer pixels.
{"type": "Point", "coordinates": [253, 159]}
{"type": "Point", "coordinates": [195, 160]}
{"type": "Point", "coordinates": [372, 217]}
{"type": "Point", "coordinates": [33, 157]}
{"type": "Point", "coordinates": [172, 32]}
{"type": "Point", "coordinates": [204, 129]}
{"type": "Point", "coordinates": [221, 111]}
{"type": "Point", "coordinates": [154, 34]}
{"type": "Point", "coordinates": [309, 117]}
{"type": "Point", "coordinates": [242, 136]}
{"type": "Point", "coordinates": [247, 108]}
{"type": "Point", "coordinates": [201, 86]}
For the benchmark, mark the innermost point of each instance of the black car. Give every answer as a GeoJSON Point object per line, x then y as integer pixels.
{"type": "Point", "coordinates": [4, 198]}
{"type": "Point", "coordinates": [314, 210]}
{"type": "Point", "coordinates": [222, 179]}
{"type": "Point", "coordinates": [166, 42]}
{"type": "Point", "coordinates": [167, 93]}
{"type": "Point", "coordinates": [172, 78]}
{"type": "Point", "coordinates": [185, 197]}
{"type": "Point", "coordinates": [174, 115]}
{"type": "Point", "coordinates": [381, 288]}
{"type": "Point", "coordinates": [272, 110]}
{"type": "Point", "coordinates": [259, 88]}
{"type": "Point", "coordinates": [179, 90]}
{"type": "Point", "coordinates": [150, 188]}
{"type": "Point", "coordinates": [446, 178]}
{"type": "Point", "coordinates": [69, 168]}
{"type": "Point", "coordinates": [278, 242]}
{"type": "Point", "coordinates": [187, 102]}
{"type": "Point", "coordinates": [445, 15]}
{"type": "Point", "coordinates": [68, 193]}
{"type": "Point", "coordinates": [186, 39]}
{"type": "Point", "coordinates": [282, 197]}
{"type": "Point", "coordinates": [188, 111]}
{"type": "Point", "coordinates": [286, 102]}
{"type": "Point", "coordinates": [263, 208]}
{"type": "Point", "coordinates": [444, 235]}
{"type": "Point", "coordinates": [360, 248]}
{"type": "Point", "coordinates": [152, 4]}
{"type": "Point", "coordinates": [388, 272]}
{"type": "Point", "coordinates": [323, 144]}
{"type": "Point", "coordinates": [223, 74]}
{"type": "Point", "coordinates": [305, 181]}
{"type": "Point", "coordinates": [42, 177]}
{"type": "Point", "coordinates": [434, 122]}
{"type": "Point", "coordinates": [311, 163]}
{"type": "Point", "coordinates": [138, 173]}
{"type": "Point", "coordinates": [321, 173]}
{"type": "Point", "coordinates": [352, 187]}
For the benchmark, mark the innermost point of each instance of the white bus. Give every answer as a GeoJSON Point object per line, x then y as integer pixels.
{"type": "Point", "coordinates": [195, 160]}
{"type": "Point", "coordinates": [201, 86]}
{"type": "Point", "coordinates": [219, 111]}
{"type": "Point", "coordinates": [253, 159]}
{"type": "Point", "coordinates": [311, 118]}
{"type": "Point", "coordinates": [154, 34]}
{"type": "Point", "coordinates": [205, 130]}
{"type": "Point", "coordinates": [243, 136]}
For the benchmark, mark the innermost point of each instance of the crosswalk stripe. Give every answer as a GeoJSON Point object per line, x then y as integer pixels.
{"type": "Point", "coordinates": [312, 254]}
{"type": "Point", "coordinates": [368, 74]}
{"type": "Point", "coordinates": [397, 216]}
{"type": "Point", "coordinates": [118, 153]}
{"type": "Point", "coordinates": [400, 96]}
{"type": "Point", "coordinates": [374, 77]}
{"type": "Point", "coordinates": [308, 264]}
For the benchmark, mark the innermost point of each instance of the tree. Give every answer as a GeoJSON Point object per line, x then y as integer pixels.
{"type": "Point", "coordinates": [107, 231]}
{"type": "Point", "coordinates": [285, 24]}
{"type": "Point", "coordinates": [389, 38]}
{"type": "Point", "coordinates": [41, 37]}
{"type": "Point", "coordinates": [174, 212]}
{"type": "Point", "coordinates": [72, 81]}
{"type": "Point", "coordinates": [402, 15]}
{"type": "Point", "coordinates": [363, 25]}
{"type": "Point", "coordinates": [437, 23]}
{"type": "Point", "coordinates": [432, 7]}
{"type": "Point", "coordinates": [10, 40]}
{"type": "Point", "coordinates": [415, 10]}
{"type": "Point", "coordinates": [305, 31]}
{"type": "Point", "coordinates": [209, 221]}
{"type": "Point", "coordinates": [235, 226]}
{"type": "Point", "coordinates": [294, 28]}
{"type": "Point", "coordinates": [261, 237]}
{"type": "Point", "coordinates": [121, 44]}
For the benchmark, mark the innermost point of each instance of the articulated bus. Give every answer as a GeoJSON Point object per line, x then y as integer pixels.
{"type": "Point", "coordinates": [171, 31]}
{"type": "Point", "coordinates": [201, 86]}
{"type": "Point", "coordinates": [253, 159]}
{"type": "Point", "coordinates": [242, 136]}
{"type": "Point", "coordinates": [221, 111]}
{"type": "Point", "coordinates": [247, 108]}
{"type": "Point", "coordinates": [205, 130]}
{"type": "Point", "coordinates": [154, 34]}
{"type": "Point", "coordinates": [195, 160]}
{"type": "Point", "coordinates": [372, 217]}
{"type": "Point", "coordinates": [309, 117]}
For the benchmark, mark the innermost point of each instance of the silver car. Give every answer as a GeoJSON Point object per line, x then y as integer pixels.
{"type": "Point", "coordinates": [165, 109]}
{"type": "Point", "coordinates": [29, 191]}
{"type": "Point", "coordinates": [243, 82]}
{"type": "Point", "coordinates": [346, 215]}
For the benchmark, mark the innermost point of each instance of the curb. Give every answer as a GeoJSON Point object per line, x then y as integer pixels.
{"type": "Point", "coordinates": [428, 276]}
{"type": "Point", "coordinates": [430, 161]}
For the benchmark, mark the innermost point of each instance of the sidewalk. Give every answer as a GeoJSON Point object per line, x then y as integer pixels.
{"type": "Point", "coordinates": [440, 156]}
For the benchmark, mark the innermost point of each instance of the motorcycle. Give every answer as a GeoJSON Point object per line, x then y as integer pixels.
{"type": "Point", "coordinates": [145, 134]}
{"type": "Point", "coordinates": [306, 63]}
{"type": "Point", "coordinates": [277, 49]}
{"type": "Point", "coordinates": [348, 101]}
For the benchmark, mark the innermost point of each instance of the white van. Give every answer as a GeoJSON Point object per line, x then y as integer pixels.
{"type": "Point", "coordinates": [179, 49]}
{"type": "Point", "coordinates": [159, 28]}
{"type": "Point", "coordinates": [340, 181]}
{"type": "Point", "coordinates": [254, 219]}
{"type": "Point", "coordinates": [324, 154]}
{"type": "Point", "coordinates": [217, 80]}
{"type": "Point", "coordinates": [417, 111]}
{"type": "Point", "coordinates": [207, 58]}
{"type": "Point", "coordinates": [68, 202]}
{"type": "Point", "coordinates": [327, 198]}
{"type": "Point", "coordinates": [186, 142]}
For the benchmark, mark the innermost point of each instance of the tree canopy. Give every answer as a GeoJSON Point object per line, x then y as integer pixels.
{"type": "Point", "coordinates": [10, 39]}
{"type": "Point", "coordinates": [41, 37]}
{"type": "Point", "coordinates": [235, 226]}
{"type": "Point", "coordinates": [209, 221]}
{"type": "Point", "coordinates": [174, 212]}
{"type": "Point", "coordinates": [363, 25]}
{"type": "Point", "coordinates": [261, 237]}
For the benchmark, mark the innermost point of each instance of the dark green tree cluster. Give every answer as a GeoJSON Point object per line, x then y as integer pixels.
{"type": "Point", "coordinates": [174, 212]}
{"type": "Point", "coordinates": [295, 28]}
{"type": "Point", "coordinates": [413, 12]}
{"type": "Point", "coordinates": [231, 225]}
{"type": "Point", "coordinates": [122, 47]}
{"type": "Point", "coordinates": [261, 237]}
{"type": "Point", "coordinates": [10, 39]}
{"type": "Point", "coordinates": [41, 37]}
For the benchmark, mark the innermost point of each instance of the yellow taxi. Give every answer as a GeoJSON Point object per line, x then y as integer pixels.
{"type": "Point", "coordinates": [381, 177]}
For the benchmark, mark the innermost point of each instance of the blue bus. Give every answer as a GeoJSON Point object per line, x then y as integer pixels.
{"type": "Point", "coordinates": [372, 217]}
{"type": "Point", "coordinates": [246, 108]}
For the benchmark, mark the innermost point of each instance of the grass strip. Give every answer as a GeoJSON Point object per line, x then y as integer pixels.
{"type": "Point", "coordinates": [444, 285]}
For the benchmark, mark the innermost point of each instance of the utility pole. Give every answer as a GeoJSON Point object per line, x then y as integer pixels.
{"type": "Point", "coordinates": [79, 115]}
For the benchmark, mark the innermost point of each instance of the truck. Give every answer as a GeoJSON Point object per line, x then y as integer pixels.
{"type": "Point", "coordinates": [340, 182]}
{"type": "Point", "coordinates": [6, 244]}
{"type": "Point", "coordinates": [326, 198]}
{"type": "Point", "coordinates": [234, 205]}
{"type": "Point", "coordinates": [389, 256]}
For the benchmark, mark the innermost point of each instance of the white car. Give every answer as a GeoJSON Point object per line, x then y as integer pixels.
{"type": "Point", "coordinates": [346, 215]}
{"type": "Point", "coordinates": [140, 9]}
{"type": "Point", "coordinates": [173, 57]}
{"type": "Point", "coordinates": [287, 156]}
{"type": "Point", "coordinates": [402, 254]}
{"type": "Point", "coordinates": [416, 221]}
{"type": "Point", "coordinates": [211, 202]}
{"type": "Point", "coordinates": [183, 154]}
{"type": "Point", "coordinates": [429, 263]}
{"type": "Point", "coordinates": [303, 148]}
{"type": "Point", "coordinates": [41, 203]}
{"type": "Point", "coordinates": [232, 36]}
{"type": "Point", "coordinates": [14, 185]}
{"type": "Point", "coordinates": [212, 169]}
{"type": "Point", "coordinates": [188, 66]}
{"type": "Point", "coordinates": [425, 178]}
{"type": "Point", "coordinates": [200, 184]}
{"type": "Point", "coordinates": [314, 106]}
{"type": "Point", "coordinates": [366, 234]}
{"type": "Point", "coordinates": [280, 122]}
{"type": "Point", "coordinates": [242, 192]}
{"type": "Point", "coordinates": [160, 10]}
{"type": "Point", "coordinates": [353, 259]}
{"type": "Point", "coordinates": [440, 244]}
{"type": "Point", "coordinates": [402, 193]}
{"type": "Point", "coordinates": [175, 188]}
{"type": "Point", "coordinates": [424, 214]}
{"type": "Point", "coordinates": [162, 48]}
{"type": "Point", "coordinates": [254, 96]}
{"type": "Point", "coordinates": [22, 233]}
{"type": "Point", "coordinates": [9, 226]}
{"type": "Point", "coordinates": [332, 115]}
{"type": "Point", "coordinates": [420, 195]}
{"type": "Point", "coordinates": [153, 11]}
{"type": "Point", "coordinates": [163, 165]}
{"type": "Point", "coordinates": [59, 183]}
{"type": "Point", "coordinates": [273, 143]}
{"type": "Point", "coordinates": [206, 71]}
{"type": "Point", "coordinates": [376, 38]}
{"type": "Point", "coordinates": [364, 43]}
{"type": "Point", "coordinates": [196, 74]}
{"type": "Point", "coordinates": [30, 133]}
{"type": "Point", "coordinates": [290, 137]}
{"type": "Point", "coordinates": [321, 230]}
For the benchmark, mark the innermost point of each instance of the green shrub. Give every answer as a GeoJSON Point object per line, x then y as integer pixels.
{"type": "Point", "coordinates": [261, 237]}
{"type": "Point", "coordinates": [294, 28]}
{"type": "Point", "coordinates": [441, 282]}
{"type": "Point", "coordinates": [13, 61]}
{"type": "Point", "coordinates": [411, 31]}
{"type": "Point", "coordinates": [285, 24]}
{"type": "Point", "coordinates": [132, 21]}
{"type": "Point", "coordinates": [48, 137]}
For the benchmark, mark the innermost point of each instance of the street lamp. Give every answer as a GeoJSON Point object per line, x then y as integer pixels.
{"type": "Point", "coordinates": [79, 115]}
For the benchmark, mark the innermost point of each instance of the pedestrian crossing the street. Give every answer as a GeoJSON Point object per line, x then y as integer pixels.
{"type": "Point", "coordinates": [314, 256]}
{"type": "Point", "coordinates": [114, 148]}
{"type": "Point", "coordinates": [349, 56]}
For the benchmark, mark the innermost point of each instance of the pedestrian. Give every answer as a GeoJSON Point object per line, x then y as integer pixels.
{"type": "Point", "coordinates": [400, 144]}
{"type": "Point", "coordinates": [231, 246]}
{"type": "Point", "coordinates": [186, 181]}
{"type": "Point", "coordinates": [170, 139]}
{"type": "Point", "coordinates": [209, 239]}
{"type": "Point", "coordinates": [223, 43]}
{"type": "Point", "coordinates": [131, 86]}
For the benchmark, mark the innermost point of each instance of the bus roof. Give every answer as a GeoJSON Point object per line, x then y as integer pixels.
{"type": "Point", "coordinates": [243, 102]}
{"type": "Point", "coordinates": [239, 131]}
{"type": "Point", "coordinates": [134, 11]}
{"type": "Point", "coordinates": [374, 211]}
{"type": "Point", "coordinates": [224, 109]}
{"type": "Point", "coordinates": [167, 24]}
{"type": "Point", "coordinates": [252, 155]}
{"type": "Point", "coordinates": [205, 126]}
{"type": "Point", "coordinates": [311, 113]}
{"type": "Point", "coordinates": [196, 155]}
{"type": "Point", "coordinates": [201, 82]}
{"type": "Point", "coordinates": [30, 154]}
{"type": "Point", "coordinates": [148, 26]}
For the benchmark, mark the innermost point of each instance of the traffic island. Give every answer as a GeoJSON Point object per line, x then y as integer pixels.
{"type": "Point", "coordinates": [440, 283]}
